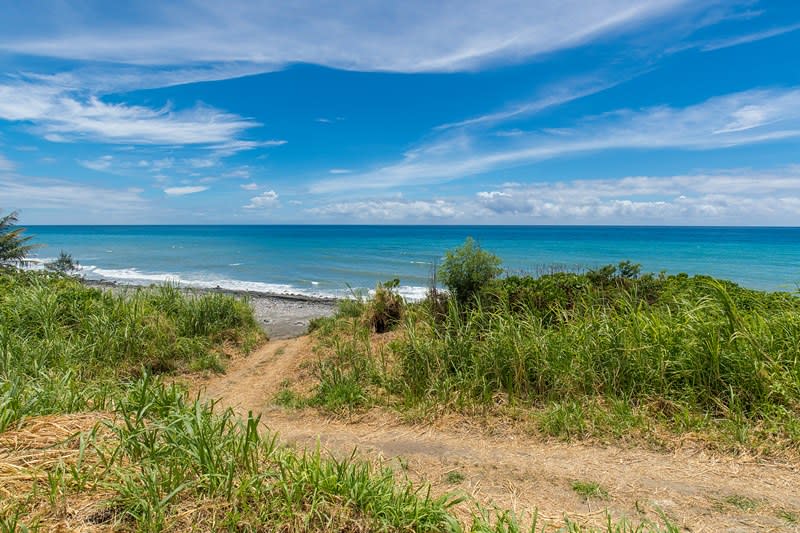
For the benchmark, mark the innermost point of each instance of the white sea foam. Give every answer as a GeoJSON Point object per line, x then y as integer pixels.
{"type": "Point", "coordinates": [133, 276]}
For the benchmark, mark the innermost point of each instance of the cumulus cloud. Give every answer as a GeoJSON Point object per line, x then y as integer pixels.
{"type": "Point", "coordinates": [264, 200]}
{"type": "Point", "coordinates": [380, 210]}
{"type": "Point", "coordinates": [183, 191]}
{"type": "Point", "coordinates": [760, 198]}
{"type": "Point", "coordinates": [726, 121]}
{"type": "Point", "coordinates": [412, 36]}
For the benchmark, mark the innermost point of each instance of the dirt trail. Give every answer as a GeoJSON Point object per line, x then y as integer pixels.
{"type": "Point", "coordinates": [696, 491]}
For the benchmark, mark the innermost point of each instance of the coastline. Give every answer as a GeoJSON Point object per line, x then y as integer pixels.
{"type": "Point", "coordinates": [281, 316]}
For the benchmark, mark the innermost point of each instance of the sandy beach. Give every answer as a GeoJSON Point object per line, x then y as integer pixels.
{"type": "Point", "coordinates": [281, 316]}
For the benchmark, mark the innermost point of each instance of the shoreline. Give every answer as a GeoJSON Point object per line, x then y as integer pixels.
{"type": "Point", "coordinates": [281, 316]}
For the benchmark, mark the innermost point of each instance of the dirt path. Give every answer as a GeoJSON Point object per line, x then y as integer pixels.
{"type": "Point", "coordinates": [696, 491]}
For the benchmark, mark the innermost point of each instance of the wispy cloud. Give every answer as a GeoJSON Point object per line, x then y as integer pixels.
{"type": "Point", "coordinates": [412, 36]}
{"type": "Point", "coordinates": [550, 97]}
{"type": "Point", "coordinates": [101, 164]}
{"type": "Point", "coordinates": [268, 199]}
{"type": "Point", "coordinates": [340, 171]}
{"type": "Point", "coordinates": [183, 191]}
{"type": "Point", "coordinates": [63, 116]}
{"type": "Point", "coordinates": [25, 192]}
{"type": "Point", "coordinates": [726, 121]}
{"type": "Point", "coordinates": [6, 165]}
{"type": "Point", "coordinates": [709, 46]}
{"type": "Point", "coordinates": [249, 186]}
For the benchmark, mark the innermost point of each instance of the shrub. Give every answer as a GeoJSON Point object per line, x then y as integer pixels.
{"type": "Point", "coordinates": [467, 269]}
{"type": "Point", "coordinates": [13, 245]}
{"type": "Point", "coordinates": [65, 264]}
{"type": "Point", "coordinates": [386, 307]}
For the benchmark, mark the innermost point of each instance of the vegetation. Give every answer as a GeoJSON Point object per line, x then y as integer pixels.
{"type": "Point", "coordinates": [467, 269]}
{"type": "Point", "coordinates": [13, 243]}
{"type": "Point", "coordinates": [93, 436]}
{"type": "Point", "coordinates": [146, 457]}
{"type": "Point", "coordinates": [610, 354]}
{"type": "Point", "coordinates": [589, 489]}
{"type": "Point", "coordinates": [63, 264]}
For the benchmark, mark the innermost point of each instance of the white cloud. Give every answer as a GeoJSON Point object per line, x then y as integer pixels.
{"type": "Point", "coordinates": [25, 192]}
{"type": "Point", "coordinates": [382, 210]}
{"type": "Point", "coordinates": [748, 38]}
{"type": "Point", "coordinates": [412, 36]}
{"type": "Point", "coordinates": [183, 191]}
{"type": "Point", "coordinates": [6, 165]}
{"type": "Point", "coordinates": [340, 171]}
{"type": "Point", "coordinates": [732, 197]}
{"type": "Point", "coordinates": [264, 200]}
{"type": "Point", "coordinates": [249, 186]}
{"type": "Point", "coordinates": [549, 97]}
{"type": "Point", "coordinates": [62, 116]}
{"type": "Point", "coordinates": [725, 121]}
{"type": "Point", "coordinates": [241, 173]}
{"type": "Point", "coordinates": [101, 164]}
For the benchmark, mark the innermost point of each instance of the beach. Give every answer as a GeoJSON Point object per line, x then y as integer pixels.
{"type": "Point", "coordinates": [280, 316]}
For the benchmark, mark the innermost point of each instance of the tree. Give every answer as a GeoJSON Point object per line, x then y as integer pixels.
{"type": "Point", "coordinates": [467, 269]}
{"type": "Point", "coordinates": [65, 264]}
{"type": "Point", "coordinates": [13, 244]}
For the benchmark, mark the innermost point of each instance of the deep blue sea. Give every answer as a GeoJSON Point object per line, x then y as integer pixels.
{"type": "Point", "coordinates": [324, 260]}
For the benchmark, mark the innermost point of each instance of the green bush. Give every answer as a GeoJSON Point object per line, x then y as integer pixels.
{"type": "Point", "coordinates": [466, 270]}
{"type": "Point", "coordinates": [385, 309]}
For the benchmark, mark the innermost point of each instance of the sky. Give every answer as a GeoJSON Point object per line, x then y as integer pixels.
{"type": "Point", "coordinates": [659, 112]}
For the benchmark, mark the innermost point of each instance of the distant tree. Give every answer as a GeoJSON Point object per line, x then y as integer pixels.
{"type": "Point", "coordinates": [65, 264]}
{"type": "Point", "coordinates": [467, 269]}
{"type": "Point", "coordinates": [13, 244]}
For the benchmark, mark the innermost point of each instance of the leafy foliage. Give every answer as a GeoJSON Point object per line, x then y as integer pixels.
{"type": "Point", "coordinates": [13, 243]}
{"type": "Point", "coordinates": [466, 270]}
{"type": "Point", "coordinates": [64, 264]}
{"type": "Point", "coordinates": [385, 309]}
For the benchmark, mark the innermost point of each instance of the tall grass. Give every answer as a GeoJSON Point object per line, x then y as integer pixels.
{"type": "Point", "coordinates": [691, 351]}
{"type": "Point", "coordinates": [64, 346]}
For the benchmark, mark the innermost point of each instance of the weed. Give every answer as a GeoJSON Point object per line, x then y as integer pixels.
{"type": "Point", "coordinates": [743, 503]}
{"type": "Point", "coordinates": [454, 477]}
{"type": "Point", "coordinates": [589, 490]}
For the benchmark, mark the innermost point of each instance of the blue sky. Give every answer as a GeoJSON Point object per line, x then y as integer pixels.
{"type": "Point", "coordinates": [532, 112]}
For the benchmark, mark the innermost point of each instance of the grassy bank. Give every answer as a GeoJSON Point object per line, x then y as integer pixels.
{"type": "Point", "coordinates": [142, 456]}
{"type": "Point", "coordinates": [93, 438]}
{"type": "Point", "coordinates": [609, 354]}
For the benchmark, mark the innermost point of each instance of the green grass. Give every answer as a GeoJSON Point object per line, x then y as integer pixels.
{"type": "Point", "coordinates": [743, 503]}
{"type": "Point", "coordinates": [589, 490]}
{"type": "Point", "coordinates": [454, 477]}
{"type": "Point", "coordinates": [610, 354]}
{"type": "Point", "coordinates": [151, 458]}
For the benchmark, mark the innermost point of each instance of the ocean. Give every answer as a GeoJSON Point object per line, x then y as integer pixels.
{"type": "Point", "coordinates": [329, 261]}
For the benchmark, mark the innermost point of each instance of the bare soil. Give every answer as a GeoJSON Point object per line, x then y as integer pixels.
{"type": "Point", "coordinates": [695, 489]}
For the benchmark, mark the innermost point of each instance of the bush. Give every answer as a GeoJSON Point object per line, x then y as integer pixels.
{"type": "Point", "coordinates": [468, 269]}
{"type": "Point", "coordinates": [386, 307]}
{"type": "Point", "coordinates": [65, 264]}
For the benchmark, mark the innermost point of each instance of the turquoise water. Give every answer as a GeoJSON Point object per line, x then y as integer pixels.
{"type": "Point", "coordinates": [324, 260]}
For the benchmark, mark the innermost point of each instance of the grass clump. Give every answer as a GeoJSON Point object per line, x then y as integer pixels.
{"type": "Point", "coordinates": [589, 489]}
